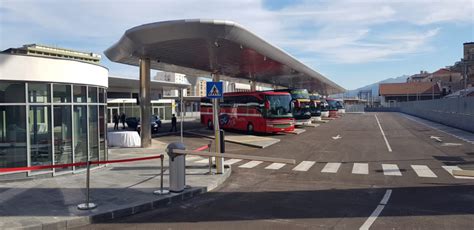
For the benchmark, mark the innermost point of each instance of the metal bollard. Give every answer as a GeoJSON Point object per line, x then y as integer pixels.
{"type": "Point", "coordinates": [161, 191]}
{"type": "Point", "coordinates": [210, 158]}
{"type": "Point", "coordinates": [87, 205]}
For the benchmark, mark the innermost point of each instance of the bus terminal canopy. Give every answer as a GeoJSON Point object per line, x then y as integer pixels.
{"type": "Point", "coordinates": [202, 47]}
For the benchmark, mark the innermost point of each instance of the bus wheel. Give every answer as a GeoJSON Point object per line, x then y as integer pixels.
{"type": "Point", "coordinates": [209, 124]}
{"type": "Point", "coordinates": [250, 128]}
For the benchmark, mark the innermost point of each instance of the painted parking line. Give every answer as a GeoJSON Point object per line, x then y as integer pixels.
{"type": "Point", "coordinates": [331, 168]}
{"type": "Point", "coordinates": [275, 166]}
{"type": "Point", "coordinates": [423, 171]}
{"type": "Point", "coordinates": [383, 134]}
{"type": "Point", "coordinates": [391, 170]}
{"type": "Point", "coordinates": [304, 166]}
{"type": "Point", "coordinates": [232, 161]}
{"type": "Point", "coordinates": [377, 211]}
{"type": "Point", "coordinates": [450, 169]}
{"type": "Point", "coordinates": [360, 168]}
{"type": "Point", "coordinates": [250, 164]}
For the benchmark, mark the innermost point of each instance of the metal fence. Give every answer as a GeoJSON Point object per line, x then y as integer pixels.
{"type": "Point", "coordinates": [354, 108]}
{"type": "Point", "coordinates": [455, 112]}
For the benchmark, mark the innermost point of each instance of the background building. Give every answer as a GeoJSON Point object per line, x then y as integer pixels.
{"type": "Point", "coordinates": [50, 51]}
{"type": "Point", "coordinates": [393, 93]}
{"type": "Point", "coordinates": [52, 111]}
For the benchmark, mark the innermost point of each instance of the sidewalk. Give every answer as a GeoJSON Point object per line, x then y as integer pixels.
{"type": "Point", "coordinates": [119, 190]}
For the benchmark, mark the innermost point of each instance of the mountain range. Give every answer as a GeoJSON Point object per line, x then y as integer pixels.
{"type": "Point", "coordinates": [374, 87]}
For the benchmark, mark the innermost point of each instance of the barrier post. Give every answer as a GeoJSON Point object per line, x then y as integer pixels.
{"type": "Point", "coordinates": [88, 205]}
{"type": "Point", "coordinates": [161, 191]}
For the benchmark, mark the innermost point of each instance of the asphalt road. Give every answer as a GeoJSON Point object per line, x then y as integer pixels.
{"type": "Point", "coordinates": [349, 183]}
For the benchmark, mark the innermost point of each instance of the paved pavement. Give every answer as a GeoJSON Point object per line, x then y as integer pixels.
{"type": "Point", "coordinates": [119, 189]}
{"type": "Point", "coordinates": [352, 172]}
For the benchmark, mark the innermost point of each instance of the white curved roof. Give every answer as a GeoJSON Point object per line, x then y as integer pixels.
{"type": "Point", "coordinates": [17, 67]}
{"type": "Point", "coordinates": [200, 47]}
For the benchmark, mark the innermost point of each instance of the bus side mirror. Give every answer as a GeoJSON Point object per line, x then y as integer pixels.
{"type": "Point", "coordinates": [267, 105]}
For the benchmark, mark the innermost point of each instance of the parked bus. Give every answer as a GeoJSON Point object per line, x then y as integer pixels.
{"type": "Point", "coordinates": [333, 107]}
{"type": "Point", "coordinates": [301, 104]}
{"type": "Point", "coordinates": [261, 112]}
{"type": "Point", "coordinates": [340, 106]}
{"type": "Point", "coordinates": [315, 105]}
{"type": "Point", "coordinates": [324, 108]}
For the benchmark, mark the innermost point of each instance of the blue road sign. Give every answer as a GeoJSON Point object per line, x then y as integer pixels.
{"type": "Point", "coordinates": [214, 89]}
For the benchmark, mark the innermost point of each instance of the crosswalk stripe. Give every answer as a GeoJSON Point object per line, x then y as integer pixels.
{"type": "Point", "coordinates": [231, 161]}
{"type": "Point", "coordinates": [450, 169]}
{"type": "Point", "coordinates": [423, 171]}
{"type": "Point", "coordinates": [250, 164]}
{"type": "Point", "coordinates": [203, 161]}
{"type": "Point", "coordinates": [193, 158]}
{"type": "Point", "coordinates": [275, 166]}
{"type": "Point", "coordinates": [331, 168]}
{"type": "Point", "coordinates": [304, 166]}
{"type": "Point", "coordinates": [391, 170]}
{"type": "Point", "coordinates": [360, 168]}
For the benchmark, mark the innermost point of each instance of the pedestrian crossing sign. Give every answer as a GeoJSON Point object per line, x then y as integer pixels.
{"type": "Point", "coordinates": [214, 89]}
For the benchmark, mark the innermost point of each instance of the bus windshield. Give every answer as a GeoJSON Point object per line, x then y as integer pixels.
{"type": "Point", "coordinates": [332, 104]}
{"type": "Point", "coordinates": [279, 106]}
{"type": "Point", "coordinates": [299, 94]}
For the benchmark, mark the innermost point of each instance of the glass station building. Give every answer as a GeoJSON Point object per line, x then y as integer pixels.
{"type": "Point", "coordinates": [52, 111]}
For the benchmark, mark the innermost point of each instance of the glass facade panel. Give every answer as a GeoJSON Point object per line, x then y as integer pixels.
{"type": "Point", "coordinates": [31, 133]}
{"type": "Point", "coordinates": [101, 95]}
{"type": "Point", "coordinates": [92, 96]}
{"type": "Point", "coordinates": [12, 92]}
{"type": "Point", "coordinates": [62, 136]}
{"type": "Point", "coordinates": [79, 94]}
{"type": "Point", "coordinates": [61, 93]}
{"type": "Point", "coordinates": [39, 92]}
{"type": "Point", "coordinates": [40, 135]}
{"type": "Point", "coordinates": [93, 133]}
{"type": "Point", "coordinates": [80, 133]}
{"type": "Point", "coordinates": [13, 136]}
{"type": "Point", "coordinates": [102, 133]}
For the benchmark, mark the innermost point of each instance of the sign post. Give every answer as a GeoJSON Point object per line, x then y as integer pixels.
{"type": "Point", "coordinates": [215, 92]}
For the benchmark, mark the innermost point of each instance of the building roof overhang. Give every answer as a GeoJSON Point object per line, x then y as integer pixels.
{"type": "Point", "coordinates": [201, 47]}
{"type": "Point", "coordinates": [116, 82]}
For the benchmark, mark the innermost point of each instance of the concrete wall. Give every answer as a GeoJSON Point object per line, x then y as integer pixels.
{"type": "Point", "coordinates": [455, 112]}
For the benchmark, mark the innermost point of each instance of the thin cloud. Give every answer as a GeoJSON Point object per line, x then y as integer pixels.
{"type": "Point", "coordinates": [336, 31]}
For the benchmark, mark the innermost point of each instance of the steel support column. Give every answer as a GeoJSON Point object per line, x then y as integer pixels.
{"type": "Point", "coordinates": [215, 122]}
{"type": "Point", "coordinates": [145, 103]}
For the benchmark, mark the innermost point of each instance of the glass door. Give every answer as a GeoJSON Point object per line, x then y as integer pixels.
{"type": "Point", "coordinates": [111, 111]}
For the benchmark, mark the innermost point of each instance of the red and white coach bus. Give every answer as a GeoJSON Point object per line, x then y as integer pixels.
{"type": "Point", "coordinates": [261, 112]}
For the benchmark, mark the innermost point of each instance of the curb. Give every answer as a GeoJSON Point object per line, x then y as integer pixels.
{"type": "Point", "coordinates": [160, 202]}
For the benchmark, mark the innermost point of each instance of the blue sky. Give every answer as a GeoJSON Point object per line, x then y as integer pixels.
{"type": "Point", "coordinates": [353, 43]}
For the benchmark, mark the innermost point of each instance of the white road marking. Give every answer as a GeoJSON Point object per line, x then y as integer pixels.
{"type": "Point", "coordinates": [193, 158]}
{"type": "Point", "coordinates": [360, 168]}
{"type": "Point", "coordinates": [385, 198]}
{"type": "Point", "coordinates": [450, 169]}
{"type": "Point", "coordinates": [391, 170]}
{"type": "Point", "coordinates": [304, 166]}
{"type": "Point", "coordinates": [423, 171]}
{"type": "Point", "coordinates": [451, 144]}
{"type": "Point", "coordinates": [203, 161]}
{"type": "Point", "coordinates": [383, 134]}
{"type": "Point", "coordinates": [232, 161]}
{"type": "Point", "coordinates": [438, 139]}
{"type": "Point", "coordinates": [337, 137]}
{"type": "Point", "coordinates": [250, 164]}
{"type": "Point", "coordinates": [331, 168]}
{"type": "Point", "coordinates": [275, 166]}
{"type": "Point", "coordinates": [377, 211]}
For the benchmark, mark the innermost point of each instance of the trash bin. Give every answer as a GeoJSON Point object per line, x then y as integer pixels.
{"type": "Point", "coordinates": [177, 167]}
